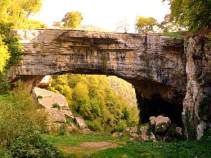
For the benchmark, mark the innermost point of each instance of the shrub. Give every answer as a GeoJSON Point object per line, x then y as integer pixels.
{"type": "Point", "coordinates": [120, 126]}
{"type": "Point", "coordinates": [19, 117]}
{"type": "Point", "coordinates": [55, 105]}
{"type": "Point", "coordinates": [95, 125]}
{"type": "Point", "coordinates": [33, 147]}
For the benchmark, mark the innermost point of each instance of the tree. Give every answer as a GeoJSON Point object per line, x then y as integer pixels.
{"type": "Point", "coordinates": [4, 55]}
{"type": "Point", "coordinates": [193, 14]}
{"type": "Point", "coordinates": [72, 19]}
{"type": "Point", "coordinates": [145, 24]}
{"type": "Point", "coordinates": [169, 25]}
{"type": "Point", "coordinates": [17, 11]}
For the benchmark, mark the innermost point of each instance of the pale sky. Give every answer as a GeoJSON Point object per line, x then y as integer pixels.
{"type": "Point", "coordinates": [105, 14]}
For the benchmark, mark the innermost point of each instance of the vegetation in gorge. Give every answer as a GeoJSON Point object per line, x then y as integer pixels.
{"type": "Point", "coordinates": [93, 98]}
{"type": "Point", "coordinates": [21, 125]}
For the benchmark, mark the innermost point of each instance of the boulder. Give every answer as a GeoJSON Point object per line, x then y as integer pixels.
{"type": "Point", "coordinates": [45, 82]}
{"type": "Point", "coordinates": [160, 124]}
{"type": "Point", "coordinates": [178, 131]}
{"type": "Point", "coordinates": [55, 115]}
{"type": "Point", "coordinates": [146, 135]}
{"type": "Point", "coordinates": [49, 99]}
{"type": "Point", "coordinates": [80, 122]}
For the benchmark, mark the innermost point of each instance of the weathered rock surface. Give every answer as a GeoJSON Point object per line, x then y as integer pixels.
{"type": "Point", "coordinates": [80, 122]}
{"type": "Point", "coordinates": [154, 64]}
{"type": "Point", "coordinates": [197, 102]}
{"type": "Point", "coordinates": [45, 82]}
{"type": "Point", "coordinates": [50, 99]}
{"type": "Point", "coordinates": [57, 110]}
{"type": "Point", "coordinates": [160, 124]}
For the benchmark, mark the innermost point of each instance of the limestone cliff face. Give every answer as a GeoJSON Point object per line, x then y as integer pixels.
{"type": "Point", "coordinates": [197, 102]}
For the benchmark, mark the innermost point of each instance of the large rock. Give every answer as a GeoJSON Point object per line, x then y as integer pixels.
{"type": "Point", "coordinates": [80, 122]}
{"type": "Point", "coordinates": [45, 82]}
{"type": "Point", "coordinates": [197, 102]}
{"type": "Point", "coordinates": [50, 99]}
{"type": "Point", "coordinates": [55, 115]}
{"type": "Point", "coordinates": [160, 124]}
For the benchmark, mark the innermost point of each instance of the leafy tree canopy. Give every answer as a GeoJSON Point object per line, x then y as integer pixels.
{"type": "Point", "coordinates": [17, 12]}
{"type": "Point", "coordinates": [145, 24]}
{"type": "Point", "coordinates": [193, 14]}
{"type": "Point", "coordinates": [73, 19]}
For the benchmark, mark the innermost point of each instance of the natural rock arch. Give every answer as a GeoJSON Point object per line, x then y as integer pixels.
{"type": "Point", "coordinates": [154, 64]}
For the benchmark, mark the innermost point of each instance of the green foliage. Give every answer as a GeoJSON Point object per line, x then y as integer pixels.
{"type": "Point", "coordinates": [145, 24]}
{"type": "Point", "coordinates": [72, 19]}
{"type": "Point", "coordinates": [120, 126]}
{"type": "Point", "coordinates": [12, 43]}
{"type": "Point", "coordinates": [177, 35]}
{"type": "Point", "coordinates": [33, 147]}
{"type": "Point", "coordinates": [19, 117]}
{"type": "Point", "coordinates": [17, 12]}
{"type": "Point", "coordinates": [4, 153]}
{"type": "Point", "coordinates": [21, 124]}
{"type": "Point", "coordinates": [55, 105]}
{"type": "Point", "coordinates": [94, 125]}
{"type": "Point", "coordinates": [96, 101]}
{"type": "Point", "coordinates": [191, 14]}
{"type": "Point", "coordinates": [4, 55]}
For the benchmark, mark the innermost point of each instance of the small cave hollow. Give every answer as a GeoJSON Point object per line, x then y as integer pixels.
{"type": "Point", "coordinates": [158, 106]}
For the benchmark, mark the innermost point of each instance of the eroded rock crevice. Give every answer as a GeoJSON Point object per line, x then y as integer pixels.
{"type": "Point", "coordinates": [197, 102]}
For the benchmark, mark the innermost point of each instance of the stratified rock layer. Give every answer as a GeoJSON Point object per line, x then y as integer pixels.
{"type": "Point", "coordinates": [154, 64]}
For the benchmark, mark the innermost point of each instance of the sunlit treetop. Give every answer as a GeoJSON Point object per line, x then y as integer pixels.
{"type": "Point", "coordinates": [145, 24]}
{"type": "Point", "coordinates": [17, 11]}
{"type": "Point", "coordinates": [72, 19]}
{"type": "Point", "coordinates": [193, 14]}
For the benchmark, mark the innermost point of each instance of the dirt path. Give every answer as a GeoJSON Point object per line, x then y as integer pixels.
{"type": "Point", "coordinates": [87, 147]}
{"type": "Point", "coordinates": [98, 145]}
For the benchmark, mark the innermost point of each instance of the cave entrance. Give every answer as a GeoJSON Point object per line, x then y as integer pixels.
{"type": "Point", "coordinates": [158, 106]}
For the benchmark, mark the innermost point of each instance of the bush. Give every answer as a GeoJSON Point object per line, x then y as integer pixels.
{"type": "Point", "coordinates": [19, 117]}
{"type": "Point", "coordinates": [33, 147]}
{"type": "Point", "coordinates": [4, 153]}
{"type": "Point", "coordinates": [95, 125]}
{"type": "Point", "coordinates": [120, 126]}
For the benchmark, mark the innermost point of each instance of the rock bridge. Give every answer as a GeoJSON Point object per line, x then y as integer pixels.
{"type": "Point", "coordinates": [154, 64]}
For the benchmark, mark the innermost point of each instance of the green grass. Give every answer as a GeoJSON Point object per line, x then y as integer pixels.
{"type": "Point", "coordinates": [70, 144]}
{"type": "Point", "coordinates": [177, 35]}
{"type": "Point", "coordinates": [183, 149]}
{"type": "Point", "coordinates": [77, 138]}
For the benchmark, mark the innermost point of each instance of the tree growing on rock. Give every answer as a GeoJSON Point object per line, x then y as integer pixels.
{"type": "Point", "coordinates": [72, 19]}
{"type": "Point", "coordinates": [145, 24]}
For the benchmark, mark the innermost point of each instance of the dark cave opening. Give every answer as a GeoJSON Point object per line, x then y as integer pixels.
{"type": "Point", "coordinates": [158, 106]}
